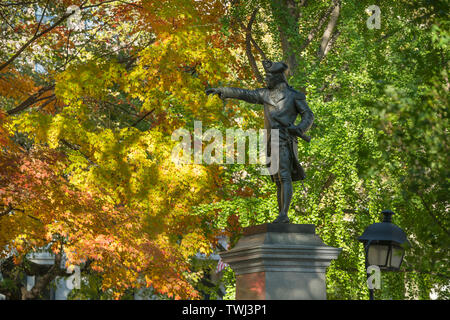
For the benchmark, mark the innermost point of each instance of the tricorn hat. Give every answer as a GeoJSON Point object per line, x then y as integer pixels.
{"type": "Point", "coordinates": [274, 67]}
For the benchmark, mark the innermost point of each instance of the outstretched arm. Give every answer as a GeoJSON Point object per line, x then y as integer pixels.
{"type": "Point", "coordinates": [251, 96]}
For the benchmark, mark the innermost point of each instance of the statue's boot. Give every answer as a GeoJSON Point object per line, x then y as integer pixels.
{"type": "Point", "coordinates": [282, 218]}
{"type": "Point", "coordinates": [284, 200]}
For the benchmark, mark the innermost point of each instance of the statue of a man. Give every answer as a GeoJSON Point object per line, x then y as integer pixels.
{"type": "Point", "coordinates": [282, 104]}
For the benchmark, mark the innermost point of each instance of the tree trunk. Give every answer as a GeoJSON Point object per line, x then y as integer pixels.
{"type": "Point", "coordinates": [287, 14]}
{"type": "Point", "coordinates": [327, 42]}
{"type": "Point", "coordinates": [44, 280]}
{"type": "Point", "coordinates": [14, 285]}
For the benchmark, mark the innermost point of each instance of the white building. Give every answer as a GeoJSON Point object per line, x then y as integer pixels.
{"type": "Point", "coordinates": [62, 286]}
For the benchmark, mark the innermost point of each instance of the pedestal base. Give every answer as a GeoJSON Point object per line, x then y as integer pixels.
{"type": "Point", "coordinates": [280, 262]}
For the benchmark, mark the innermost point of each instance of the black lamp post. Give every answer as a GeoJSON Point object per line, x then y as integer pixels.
{"type": "Point", "coordinates": [384, 245]}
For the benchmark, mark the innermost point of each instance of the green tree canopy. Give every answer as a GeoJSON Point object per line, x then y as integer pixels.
{"type": "Point", "coordinates": [86, 116]}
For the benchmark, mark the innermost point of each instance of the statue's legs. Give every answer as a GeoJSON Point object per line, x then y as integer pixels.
{"type": "Point", "coordinates": [284, 197]}
{"type": "Point", "coordinates": [284, 184]}
{"type": "Point", "coordinates": [279, 195]}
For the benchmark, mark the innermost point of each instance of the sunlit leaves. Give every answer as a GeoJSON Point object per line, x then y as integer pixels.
{"type": "Point", "coordinates": [108, 190]}
{"type": "Point", "coordinates": [93, 79]}
{"type": "Point", "coordinates": [173, 73]}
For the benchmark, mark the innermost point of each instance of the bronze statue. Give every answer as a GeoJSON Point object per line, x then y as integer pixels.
{"type": "Point", "coordinates": [282, 104]}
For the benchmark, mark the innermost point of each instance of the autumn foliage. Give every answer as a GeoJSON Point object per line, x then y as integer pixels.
{"type": "Point", "coordinates": [92, 90]}
{"type": "Point", "coordinates": [85, 158]}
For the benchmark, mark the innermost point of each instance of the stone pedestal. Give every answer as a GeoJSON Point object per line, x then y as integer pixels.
{"type": "Point", "coordinates": [280, 262]}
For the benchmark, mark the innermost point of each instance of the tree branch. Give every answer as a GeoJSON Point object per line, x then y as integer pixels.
{"type": "Point", "coordinates": [331, 42]}
{"type": "Point", "coordinates": [258, 48]}
{"type": "Point", "coordinates": [248, 47]}
{"type": "Point", "coordinates": [50, 98]}
{"type": "Point", "coordinates": [77, 148]}
{"type": "Point", "coordinates": [44, 280]}
{"type": "Point", "coordinates": [36, 36]}
{"type": "Point", "coordinates": [287, 13]}
{"type": "Point", "coordinates": [143, 117]}
{"type": "Point", "coordinates": [329, 30]}
{"type": "Point", "coordinates": [312, 34]}
{"type": "Point", "coordinates": [42, 17]}
{"type": "Point", "coordinates": [6, 20]}
{"type": "Point", "coordinates": [43, 32]}
{"type": "Point", "coordinates": [32, 100]}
